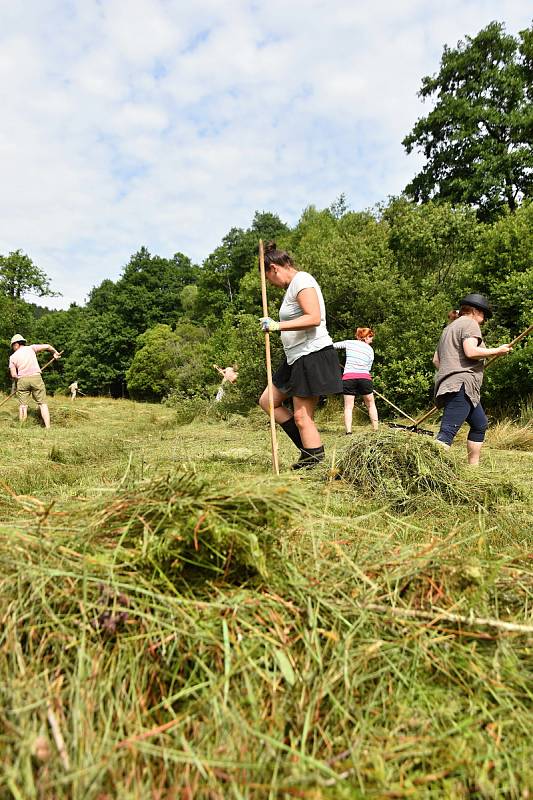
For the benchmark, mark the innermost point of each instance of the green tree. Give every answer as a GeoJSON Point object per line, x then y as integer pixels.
{"type": "Point", "coordinates": [59, 329]}
{"type": "Point", "coordinates": [20, 276]}
{"type": "Point", "coordinates": [478, 138]}
{"type": "Point", "coordinates": [432, 243]}
{"type": "Point", "coordinates": [101, 353]}
{"type": "Point", "coordinates": [503, 269]}
{"type": "Point", "coordinates": [148, 291]}
{"type": "Point", "coordinates": [223, 270]}
{"type": "Point", "coordinates": [168, 359]}
{"type": "Point", "coordinates": [15, 317]}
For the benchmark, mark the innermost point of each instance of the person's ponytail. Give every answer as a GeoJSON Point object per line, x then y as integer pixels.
{"type": "Point", "coordinates": [274, 256]}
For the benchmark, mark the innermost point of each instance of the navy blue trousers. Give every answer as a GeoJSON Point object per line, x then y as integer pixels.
{"type": "Point", "coordinates": [458, 408]}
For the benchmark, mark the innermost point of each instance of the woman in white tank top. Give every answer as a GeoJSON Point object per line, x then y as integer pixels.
{"type": "Point", "coordinates": [311, 368]}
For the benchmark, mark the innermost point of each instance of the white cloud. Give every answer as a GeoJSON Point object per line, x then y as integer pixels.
{"type": "Point", "coordinates": [150, 122]}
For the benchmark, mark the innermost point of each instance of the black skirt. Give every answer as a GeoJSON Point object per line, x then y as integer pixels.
{"type": "Point", "coordinates": [315, 374]}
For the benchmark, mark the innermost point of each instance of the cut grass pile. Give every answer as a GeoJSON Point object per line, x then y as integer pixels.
{"type": "Point", "coordinates": [179, 522]}
{"type": "Point", "coordinates": [406, 468]}
{"type": "Point", "coordinates": [224, 634]}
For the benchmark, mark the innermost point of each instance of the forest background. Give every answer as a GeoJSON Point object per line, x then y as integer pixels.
{"type": "Point", "coordinates": [465, 223]}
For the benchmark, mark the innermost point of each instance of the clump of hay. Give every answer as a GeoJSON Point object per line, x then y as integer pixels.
{"type": "Point", "coordinates": [180, 523]}
{"type": "Point", "coordinates": [68, 416]}
{"type": "Point", "coordinates": [508, 436]}
{"type": "Point", "coordinates": [403, 468]}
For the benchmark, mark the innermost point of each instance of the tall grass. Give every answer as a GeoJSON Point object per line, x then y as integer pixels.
{"type": "Point", "coordinates": [510, 436]}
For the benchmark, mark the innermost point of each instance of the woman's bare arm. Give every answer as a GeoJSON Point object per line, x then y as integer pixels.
{"type": "Point", "coordinates": [308, 302]}
{"type": "Point", "coordinates": [474, 351]}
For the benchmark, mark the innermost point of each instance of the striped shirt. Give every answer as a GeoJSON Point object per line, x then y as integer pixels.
{"type": "Point", "coordinates": [359, 358]}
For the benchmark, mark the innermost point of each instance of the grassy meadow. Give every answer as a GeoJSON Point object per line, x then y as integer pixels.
{"type": "Point", "coordinates": [177, 623]}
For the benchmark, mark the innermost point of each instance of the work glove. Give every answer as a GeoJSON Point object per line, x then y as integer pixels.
{"type": "Point", "coordinates": [269, 325]}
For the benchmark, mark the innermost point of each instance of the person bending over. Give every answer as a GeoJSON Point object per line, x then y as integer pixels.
{"type": "Point", "coordinates": [26, 372]}
{"type": "Point", "coordinates": [356, 379]}
{"type": "Point", "coordinates": [459, 359]}
{"type": "Point", "coordinates": [229, 375]}
{"type": "Point", "coordinates": [311, 367]}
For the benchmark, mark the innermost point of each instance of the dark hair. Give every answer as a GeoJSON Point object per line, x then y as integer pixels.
{"type": "Point", "coordinates": [466, 310]}
{"type": "Point", "coordinates": [274, 256]}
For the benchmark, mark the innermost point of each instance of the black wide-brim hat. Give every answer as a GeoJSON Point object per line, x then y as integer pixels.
{"type": "Point", "coordinates": [478, 301]}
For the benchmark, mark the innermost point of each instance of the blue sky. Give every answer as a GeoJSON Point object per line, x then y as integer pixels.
{"type": "Point", "coordinates": [152, 122]}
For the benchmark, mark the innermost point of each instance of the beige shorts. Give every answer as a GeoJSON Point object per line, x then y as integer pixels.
{"type": "Point", "coordinates": [32, 386]}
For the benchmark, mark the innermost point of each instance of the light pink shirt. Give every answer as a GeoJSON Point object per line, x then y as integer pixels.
{"type": "Point", "coordinates": [25, 361]}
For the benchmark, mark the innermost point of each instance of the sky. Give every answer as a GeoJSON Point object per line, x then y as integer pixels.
{"type": "Point", "coordinates": [158, 123]}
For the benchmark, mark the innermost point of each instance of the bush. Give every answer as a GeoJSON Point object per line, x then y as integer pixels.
{"type": "Point", "coordinates": [187, 408]}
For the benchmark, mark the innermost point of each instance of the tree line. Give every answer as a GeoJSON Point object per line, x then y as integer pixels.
{"type": "Point", "coordinates": [465, 223]}
{"type": "Point", "coordinates": [398, 269]}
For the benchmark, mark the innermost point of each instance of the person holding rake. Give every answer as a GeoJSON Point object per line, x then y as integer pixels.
{"type": "Point", "coordinates": [311, 367]}
{"type": "Point", "coordinates": [26, 372]}
{"type": "Point", "coordinates": [356, 379]}
{"type": "Point", "coordinates": [229, 375]}
{"type": "Point", "coordinates": [460, 360]}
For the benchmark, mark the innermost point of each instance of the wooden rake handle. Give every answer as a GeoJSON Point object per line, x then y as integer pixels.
{"type": "Point", "coordinates": [273, 435]}
{"type": "Point", "coordinates": [396, 408]}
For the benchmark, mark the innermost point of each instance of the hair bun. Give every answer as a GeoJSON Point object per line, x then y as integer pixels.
{"type": "Point", "coordinates": [270, 247]}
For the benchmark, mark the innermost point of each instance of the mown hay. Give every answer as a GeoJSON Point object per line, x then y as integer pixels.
{"type": "Point", "coordinates": [179, 522]}
{"type": "Point", "coordinates": [339, 671]}
{"type": "Point", "coordinates": [341, 675]}
{"type": "Point", "coordinates": [70, 415]}
{"type": "Point", "coordinates": [403, 468]}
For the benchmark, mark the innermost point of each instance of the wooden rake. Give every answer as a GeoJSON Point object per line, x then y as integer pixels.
{"type": "Point", "coordinates": [273, 437]}
{"type": "Point", "coordinates": [414, 427]}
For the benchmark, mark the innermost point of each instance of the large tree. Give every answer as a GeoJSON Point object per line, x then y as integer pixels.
{"type": "Point", "coordinates": [20, 276]}
{"type": "Point", "coordinates": [168, 359]}
{"type": "Point", "coordinates": [147, 293]}
{"type": "Point", "coordinates": [223, 270]}
{"type": "Point", "coordinates": [478, 138]}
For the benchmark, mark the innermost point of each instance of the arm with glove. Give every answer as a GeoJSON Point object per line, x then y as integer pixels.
{"type": "Point", "coordinates": [308, 302]}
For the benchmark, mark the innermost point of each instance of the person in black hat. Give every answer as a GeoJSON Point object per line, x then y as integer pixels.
{"type": "Point", "coordinates": [459, 359]}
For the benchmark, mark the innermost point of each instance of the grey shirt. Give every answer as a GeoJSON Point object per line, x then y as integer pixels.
{"type": "Point", "coordinates": [455, 369]}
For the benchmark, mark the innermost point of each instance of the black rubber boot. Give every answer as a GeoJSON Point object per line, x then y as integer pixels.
{"type": "Point", "coordinates": [309, 457]}
{"type": "Point", "coordinates": [291, 429]}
